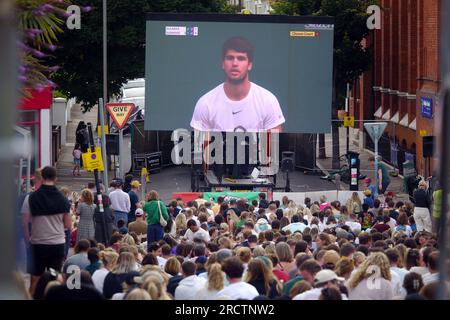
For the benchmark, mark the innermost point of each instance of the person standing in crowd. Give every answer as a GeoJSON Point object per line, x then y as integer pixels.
{"type": "Point", "coordinates": [383, 175]}
{"type": "Point", "coordinates": [237, 289]}
{"type": "Point", "coordinates": [127, 183]}
{"type": "Point", "coordinates": [82, 138]}
{"type": "Point", "coordinates": [437, 206]}
{"type": "Point", "coordinates": [120, 202]}
{"type": "Point", "coordinates": [362, 286]}
{"type": "Point", "coordinates": [368, 185]}
{"type": "Point", "coordinates": [191, 284]}
{"type": "Point", "coordinates": [134, 200]}
{"type": "Point", "coordinates": [109, 260]}
{"type": "Point", "coordinates": [86, 211]}
{"type": "Point", "coordinates": [139, 226]}
{"type": "Point", "coordinates": [49, 213]}
{"type": "Point", "coordinates": [154, 209]}
{"type": "Point", "coordinates": [421, 210]}
{"type": "Point", "coordinates": [76, 153]}
{"type": "Point", "coordinates": [263, 203]}
{"type": "Point", "coordinates": [104, 220]}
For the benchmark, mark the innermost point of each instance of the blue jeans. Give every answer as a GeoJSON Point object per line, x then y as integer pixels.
{"type": "Point", "coordinates": [120, 215]}
{"type": "Point", "coordinates": [155, 232]}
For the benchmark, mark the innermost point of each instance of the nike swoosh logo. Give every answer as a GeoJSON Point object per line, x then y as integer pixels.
{"type": "Point", "coordinates": [236, 112]}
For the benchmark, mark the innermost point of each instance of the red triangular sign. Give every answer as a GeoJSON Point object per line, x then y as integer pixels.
{"type": "Point", "coordinates": [120, 112]}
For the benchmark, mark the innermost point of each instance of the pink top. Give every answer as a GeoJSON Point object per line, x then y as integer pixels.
{"type": "Point", "coordinates": [324, 205]}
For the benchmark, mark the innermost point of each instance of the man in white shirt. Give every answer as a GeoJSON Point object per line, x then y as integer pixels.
{"type": "Point", "coordinates": [191, 284]}
{"type": "Point", "coordinates": [237, 104]}
{"type": "Point", "coordinates": [433, 271]}
{"type": "Point", "coordinates": [396, 272]}
{"type": "Point", "coordinates": [354, 225]}
{"type": "Point", "coordinates": [295, 225]}
{"type": "Point", "coordinates": [195, 232]}
{"type": "Point", "coordinates": [237, 289]}
{"type": "Point", "coordinates": [120, 202]}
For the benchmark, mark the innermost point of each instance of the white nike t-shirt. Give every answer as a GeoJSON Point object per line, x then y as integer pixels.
{"type": "Point", "coordinates": [258, 111]}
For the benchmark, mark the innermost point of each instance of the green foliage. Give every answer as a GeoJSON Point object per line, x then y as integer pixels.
{"type": "Point", "coordinates": [38, 29]}
{"type": "Point", "coordinates": [351, 59]}
{"type": "Point", "coordinates": [80, 57]}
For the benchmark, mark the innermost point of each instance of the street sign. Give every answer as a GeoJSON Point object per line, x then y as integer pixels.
{"type": "Point", "coordinates": [375, 130]}
{"type": "Point", "coordinates": [349, 121]}
{"type": "Point", "coordinates": [93, 160]}
{"type": "Point", "coordinates": [120, 112]}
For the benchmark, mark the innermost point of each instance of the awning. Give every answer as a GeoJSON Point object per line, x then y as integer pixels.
{"type": "Point", "coordinates": [404, 122]}
{"type": "Point", "coordinates": [379, 112]}
{"type": "Point", "coordinates": [413, 124]}
{"type": "Point", "coordinates": [387, 115]}
{"type": "Point", "coordinates": [396, 117]}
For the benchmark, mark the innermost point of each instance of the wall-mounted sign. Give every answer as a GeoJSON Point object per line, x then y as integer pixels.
{"type": "Point", "coordinates": [426, 107]}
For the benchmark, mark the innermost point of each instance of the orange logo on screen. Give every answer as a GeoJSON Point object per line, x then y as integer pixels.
{"type": "Point", "coordinates": [304, 34]}
{"type": "Point", "coordinates": [120, 112]}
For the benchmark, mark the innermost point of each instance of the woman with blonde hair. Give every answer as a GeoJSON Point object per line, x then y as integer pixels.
{"type": "Point", "coordinates": [260, 276]}
{"type": "Point", "coordinates": [354, 204]}
{"type": "Point", "coordinates": [180, 222]}
{"type": "Point", "coordinates": [156, 287]}
{"type": "Point", "coordinates": [114, 280]}
{"type": "Point", "coordinates": [108, 257]}
{"type": "Point", "coordinates": [138, 294]}
{"type": "Point", "coordinates": [372, 280]}
{"type": "Point", "coordinates": [216, 280]}
{"type": "Point", "coordinates": [86, 211]}
{"type": "Point", "coordinates": [291, 210]}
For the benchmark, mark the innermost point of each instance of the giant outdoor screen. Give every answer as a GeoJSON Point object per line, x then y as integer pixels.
{"type": "Point", "coordinates": [223, 72]}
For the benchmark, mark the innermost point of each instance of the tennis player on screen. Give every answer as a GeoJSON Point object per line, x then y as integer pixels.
{"type": "Point", "coordinates": [237, 104]}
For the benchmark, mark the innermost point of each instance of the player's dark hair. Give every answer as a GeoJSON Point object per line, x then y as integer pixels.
{"type": "Point", "coordinates": [240, 44]}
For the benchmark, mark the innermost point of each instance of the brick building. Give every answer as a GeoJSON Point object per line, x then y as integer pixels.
{"type": "Point", "coordinates": [403, 85]}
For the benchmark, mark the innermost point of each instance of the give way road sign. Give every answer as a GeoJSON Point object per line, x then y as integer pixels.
{"type": "Point", "coordinates": [375, 130]}
{"type": "Point", "coordinates": [120, 112]}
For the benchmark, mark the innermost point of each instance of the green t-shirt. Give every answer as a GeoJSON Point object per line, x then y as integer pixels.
{"type": "Point", "coordinates": [384, 174]}
{"type": "Point", "coordinates": [437, 204]}
{"type": "Point", "coordinates": [152, 211]}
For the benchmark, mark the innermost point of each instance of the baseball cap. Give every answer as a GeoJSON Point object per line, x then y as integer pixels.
{"type": "Point", "coordinates": [222, 254]}
{"type": "Point", "coordinates": [135, 184]}
{"type": "Point", "coordinates": [201, 260]}
{"type": "Point", "coordinates": [139, 212]}
{"type": "Point", "coordinates": [367, 180]}
{"type": "Point", "coordinates": [326, 275]}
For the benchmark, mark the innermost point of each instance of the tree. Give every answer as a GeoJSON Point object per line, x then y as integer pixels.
{"type": "Point", "coordinates": [40, 23]}
{"type": "Point", "coordinates": [350, 57]}
{"type": "Point", "coordinates": [80, 56]}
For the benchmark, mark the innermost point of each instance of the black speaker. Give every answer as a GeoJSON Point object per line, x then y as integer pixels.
{"type": "Point", "coordinates": [287, 161]}
{"type": "Point", "coordinates": [428, 144]}
{"type": "Point", "coordinates": [112, 144]}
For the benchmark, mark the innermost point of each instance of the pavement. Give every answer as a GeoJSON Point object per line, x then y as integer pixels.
{"type": "Point", "coordinates": [396, 185]}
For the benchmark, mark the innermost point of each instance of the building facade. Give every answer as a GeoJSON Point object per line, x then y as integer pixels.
{"type": "Point", "coordinates": [403, 85]}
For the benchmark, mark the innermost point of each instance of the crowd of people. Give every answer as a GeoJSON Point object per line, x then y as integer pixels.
{"type": "Point", "coordinates": [225, 248]}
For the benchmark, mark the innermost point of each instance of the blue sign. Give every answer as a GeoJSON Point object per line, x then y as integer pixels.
{"type": "Point", "coordinates": [426, 107]}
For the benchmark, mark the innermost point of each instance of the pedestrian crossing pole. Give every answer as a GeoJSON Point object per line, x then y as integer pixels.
{"type": "Point", "coordinates": [97, 185]}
